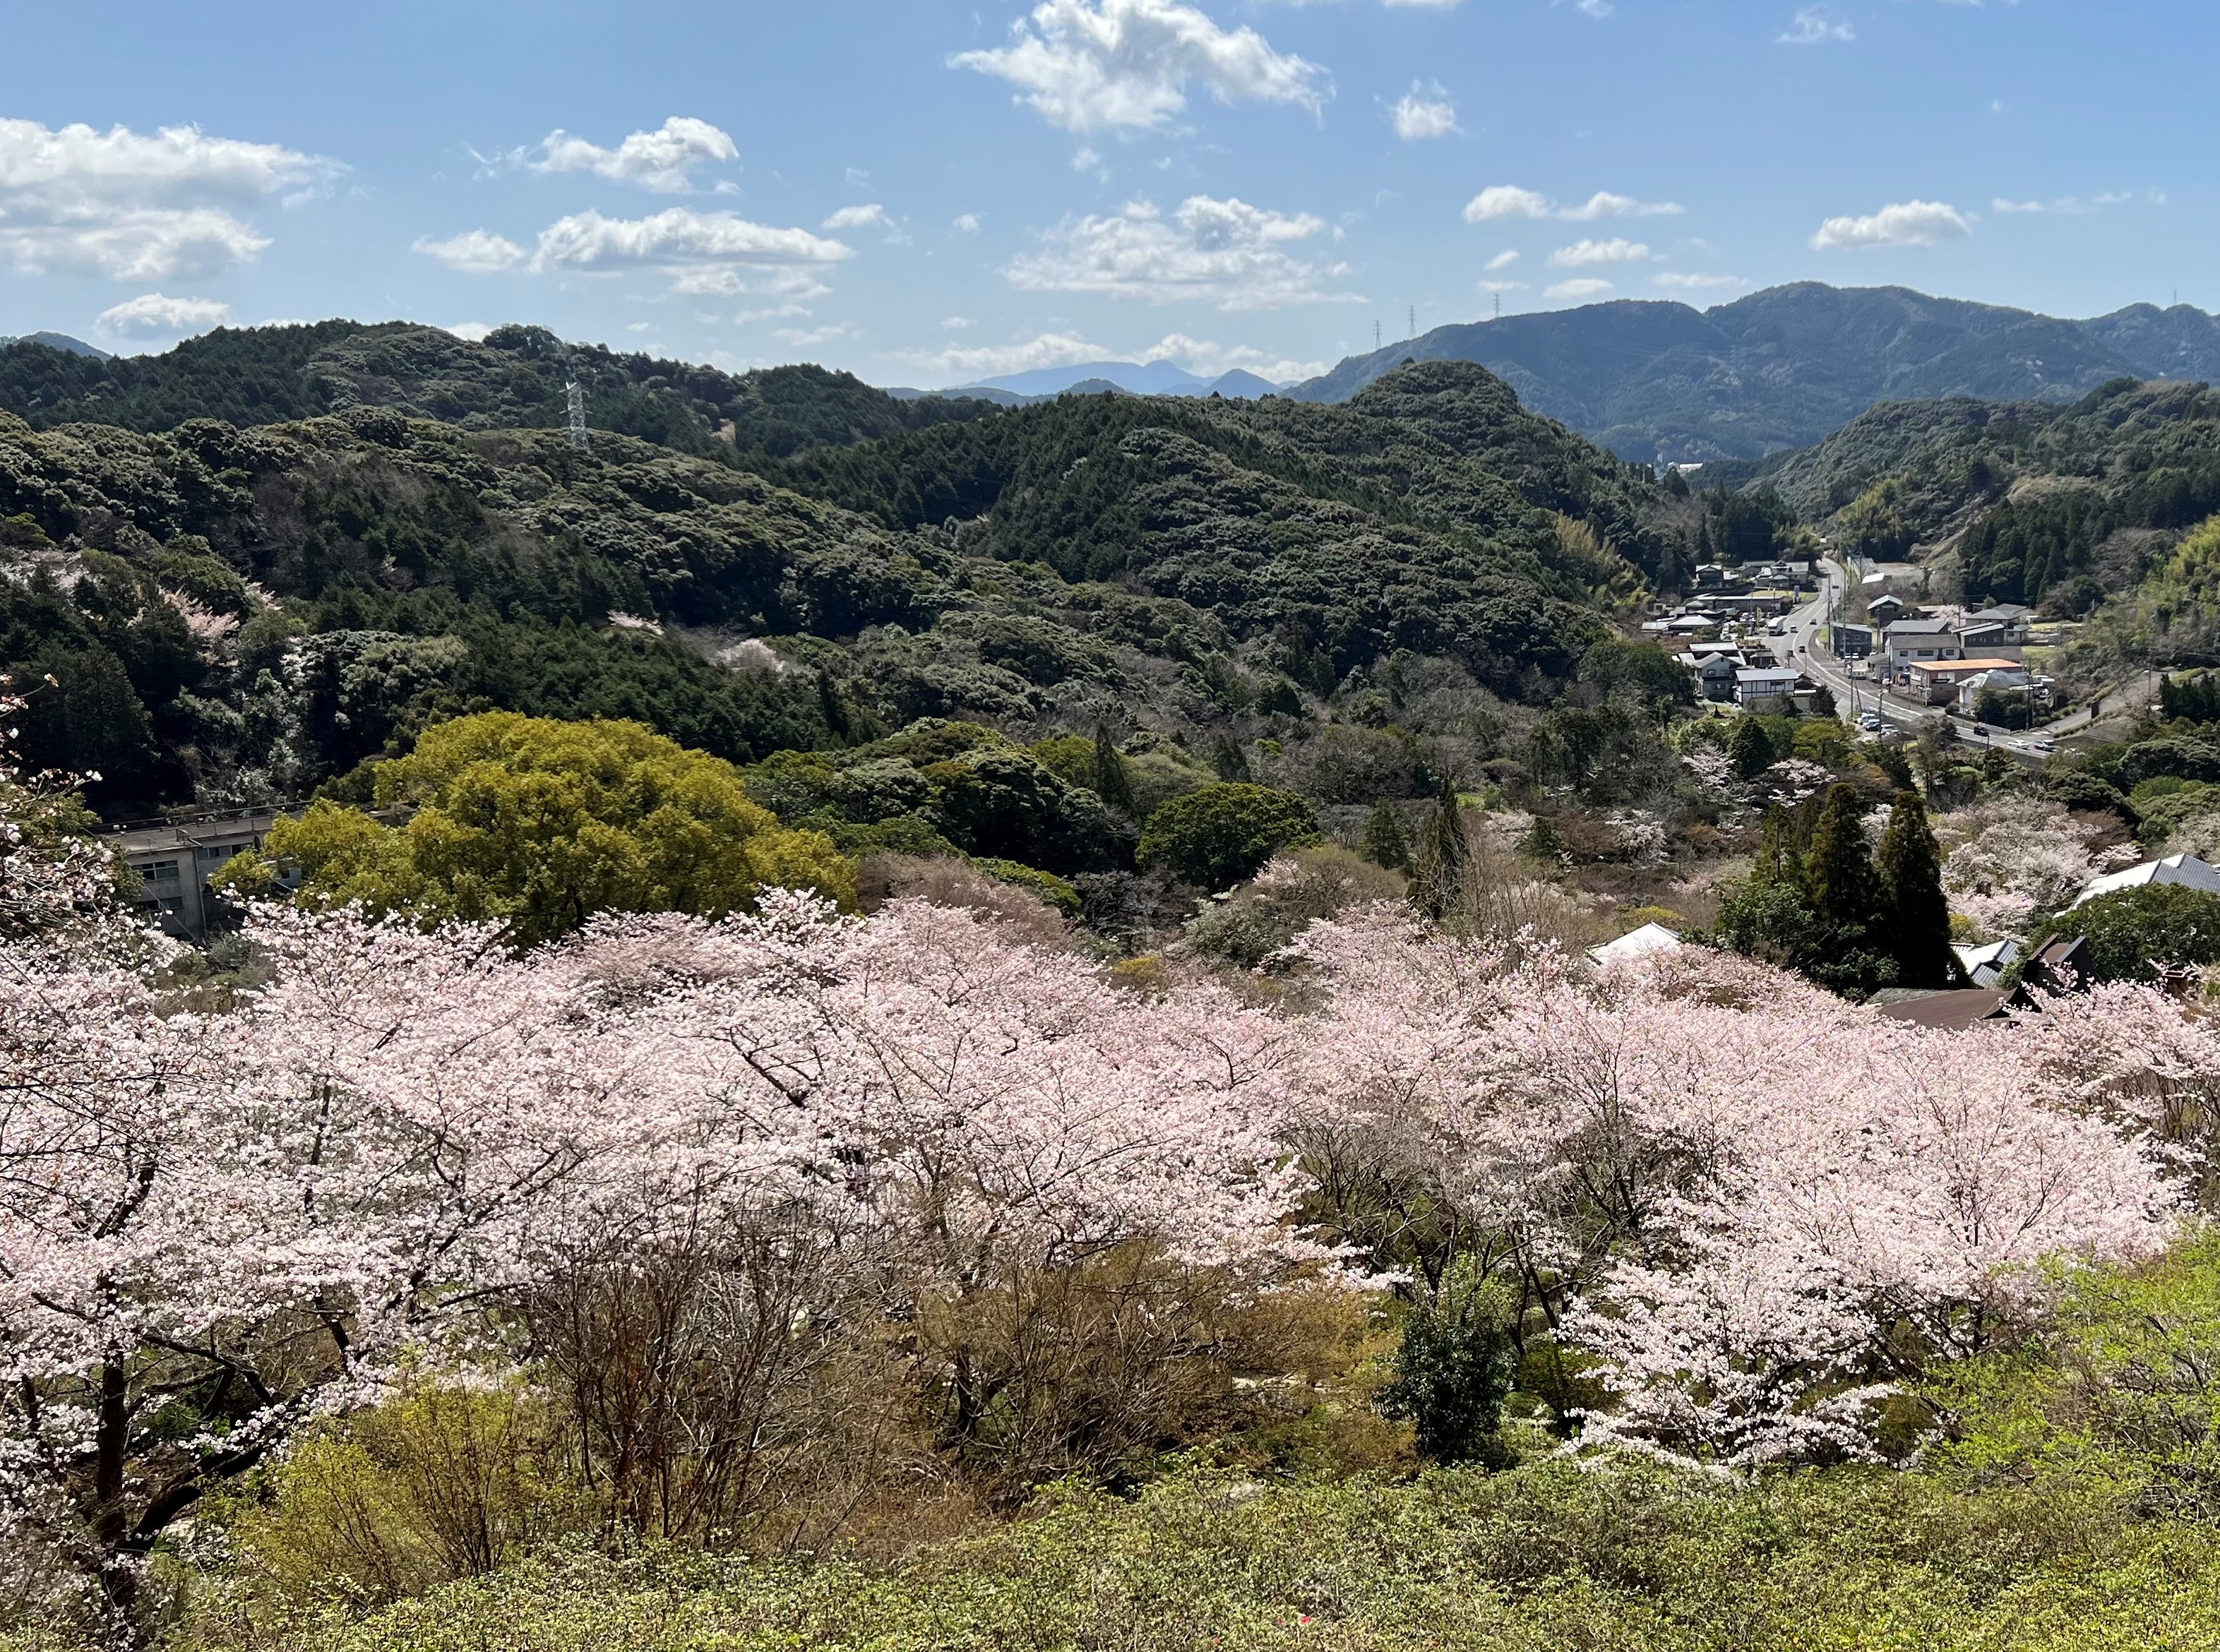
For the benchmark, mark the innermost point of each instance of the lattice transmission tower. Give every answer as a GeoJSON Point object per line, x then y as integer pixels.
{"type": "Point", "coordinates": [575, 395]}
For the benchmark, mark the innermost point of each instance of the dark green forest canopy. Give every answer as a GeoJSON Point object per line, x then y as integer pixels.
{"type": "Point", "coordinates": [2043, 504]}
{"type": "Point", "coordinates": [1179, 565]}
{"type": "Point", "coordinates": [514, 379]}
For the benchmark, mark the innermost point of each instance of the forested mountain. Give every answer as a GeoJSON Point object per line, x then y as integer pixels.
{"type": "Point", "coordinates": [515, 379]}
{"type": "Point", "coordinates": [2018, 502]}
{"type": "Point", "coordinates": [236, 614]}
{"type": "Point", "coordinates": [1786, 367]}
{"type": "Point", "coordinates": [61, 341]}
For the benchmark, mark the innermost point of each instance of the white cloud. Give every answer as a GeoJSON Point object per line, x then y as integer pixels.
{"type": "Point", "coordinates": [797, 339]}
{"type": "Point", "coordinates": [1425, 112]}
{"type": "Point", "coordinates": [1502, 286]}
{"type": "Point", "coordinates": [152, 315]}
{"type": "Point", "coordinates": [776, 313]}
{"type": "Point", "coordinates": [1506, 201]}
{"type": "Point", "coordinates": [1502, 260]}
{"type": "Point", "coordinates": [662, 161]}
{"type": "Point", "coordinates": [1208, 360]}
{"type": "Point", "coordinates": [967, 224]}
{"type": "Point", "coordinates": [475, 251]}
{"type": "Point", "coordinates": [1907, 223]}
{"type": "Point", "coordinates": [1584, 254]}
{"type": "Point", "coordinates": [475, 332]}
{"type": "Point", "coordinates": [1501, 201]}
{"type": "Point", "coordinates": [1585, 287]}
{"type": "Point", "coordinates": [1596, 8]}
{"type": "Point", "coordinates": [137, 207]}
{"type": "Point", "coordinates": [856, 217]}
{"type": "Point", "coordinates": [1097, 65]}
{"type": "Point", "coordinates": [705, 251]}
{"type": "Point", "coordinates": [2066, 206]}
{"type": "Point", "coordinates": [967, 363]}
{"type": "Point", "coordinates": [1224, 251]}
{"type": "Point", "coordinates": [957, 323]}
{"type": "Point", "coordinates": [1688, 281]}
{"type": "Point", "coordinates": [1817, 26]}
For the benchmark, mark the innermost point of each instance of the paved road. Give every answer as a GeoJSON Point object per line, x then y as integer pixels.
{"type": "Point", "coordinates": [1854, 696]}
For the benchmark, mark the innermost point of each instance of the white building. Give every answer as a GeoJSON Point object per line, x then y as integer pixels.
{"type": "Point", "coordinates": [2185, 870]}
{"type": "Point", "coordinates": [1764, 689]}
{"type": "Point", "coordinates": [1645, 942]}
{"type": "Point", "coordinates": [1921, 642]}
{"type": "Point", "coordinates": [1985, 965]}
{"type": "Point", "coordinates": [174, 864]}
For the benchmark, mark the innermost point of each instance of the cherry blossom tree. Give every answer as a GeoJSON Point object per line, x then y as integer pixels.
{"type": "Point", "coordinates": [2010, 859]}
{"type": "Point", "coordinates": [1762, 1207]}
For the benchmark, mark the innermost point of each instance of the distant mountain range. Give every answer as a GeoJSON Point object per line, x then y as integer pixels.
{"type": "Point", "coordinates": [1093, 378]}
{"type": "Point", "coordinates": [1786, 367]}
{"type": "Point", "coordinates": [58, 341]}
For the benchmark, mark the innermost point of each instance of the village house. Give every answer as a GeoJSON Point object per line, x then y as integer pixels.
{"type": "Point", "coordinates": [1919, 642]}
{"type": "Point", "coordinates": [1853, 642]}
{"type": "Point", "coordinates": [1938, 682]}
{"type": "Point", "coordinates": [1764, 689]}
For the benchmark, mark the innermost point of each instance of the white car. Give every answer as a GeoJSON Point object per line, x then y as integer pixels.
{"type": "Point", "coordinates": [1870, 722]}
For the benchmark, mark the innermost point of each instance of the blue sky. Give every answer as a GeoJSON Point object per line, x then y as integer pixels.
{"type": "Point", "coordinates": [928, 193]}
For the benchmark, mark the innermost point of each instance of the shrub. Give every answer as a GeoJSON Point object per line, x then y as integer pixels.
{"type": "Point", "coordinates": [2134, 933]}
{"type": "Point", "coordinates": [537, 824]}
{"type": "Point", "coordinates": [1222, 833]}
{"type": "Point", "coordinates": [1454, 1368]}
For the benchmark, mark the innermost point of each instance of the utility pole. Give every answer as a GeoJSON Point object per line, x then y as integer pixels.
{"type": "Point", "coordinates": [1499, 307]}
{"type": "Point", "coordinates": [1375, 335]}
{"type": "Point", "coordinates": [1413, 333]}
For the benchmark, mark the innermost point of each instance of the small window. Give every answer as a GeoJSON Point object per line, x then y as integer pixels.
{"type": "Point", "coordinates": [161, 871]}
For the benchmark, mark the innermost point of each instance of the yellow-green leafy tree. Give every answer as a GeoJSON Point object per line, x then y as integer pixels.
{"type": "Point", "coordinates": [536, 825]}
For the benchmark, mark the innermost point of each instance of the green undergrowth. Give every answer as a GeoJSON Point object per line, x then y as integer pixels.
{"type": "Point", "coordinates": [1554, 1555]}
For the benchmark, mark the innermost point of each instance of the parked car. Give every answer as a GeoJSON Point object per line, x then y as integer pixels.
{"type": "Point", "coordinates": [1870, 722]}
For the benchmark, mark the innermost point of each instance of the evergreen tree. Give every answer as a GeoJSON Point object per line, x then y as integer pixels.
{"type": "Point", "coordinates": [1111, 781]}
{"type": "Point", "coordinates": [1844, 888]}
{"type": "Point", "coordinates": [1779, 853]}
{"type": "Point", "coordinates": [1443, 852]}
{"type": "Point", "coordinates": [1386, 844]}
{"type": "Point", "coordinates": [1231, 762]}
{"type": "Point", "coordinates": [1918, 913]}
{"type": "Point", "coordinates": [1750, 749]}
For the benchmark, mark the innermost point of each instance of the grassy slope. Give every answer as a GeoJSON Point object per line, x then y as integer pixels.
{"type": "Point", "coordinates": [1549, 1556]}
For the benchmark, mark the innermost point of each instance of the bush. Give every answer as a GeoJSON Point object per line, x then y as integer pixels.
{"type": "Point", "coordinates": [2134, 933]}
{"type": "Point", "coordinates": [1221, 834]}
{"type": "Point", "coordinates": [1454, 1368]}
{"type": "Point", "coordinates": [2078, 789]}
{"type": "Point", "coordinates": [1247, 927]}
{"type": "Point", "coordinates": [440, 1484]}
{"type": "Point", "coordinates": [536, 826]}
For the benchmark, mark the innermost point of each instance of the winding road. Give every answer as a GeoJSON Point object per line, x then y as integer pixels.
{"type": "Point", "coordinates": [1855, 696]}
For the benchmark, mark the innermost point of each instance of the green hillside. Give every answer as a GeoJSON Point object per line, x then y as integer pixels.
{"type": "Point", "coordinates": [514, 379]}
{"type": "Point", "coordinates": [238, 615]}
